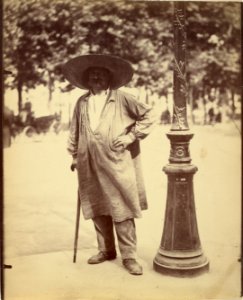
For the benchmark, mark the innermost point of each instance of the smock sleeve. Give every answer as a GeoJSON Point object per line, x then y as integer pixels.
{"type": "Point", "coordinates": [72, 144]}
{"type": "Point", "coordinates": [144, 116]}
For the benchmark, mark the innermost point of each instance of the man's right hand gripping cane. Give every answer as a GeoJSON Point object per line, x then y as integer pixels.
{"type": "Point", "coordinates": [74, 164]}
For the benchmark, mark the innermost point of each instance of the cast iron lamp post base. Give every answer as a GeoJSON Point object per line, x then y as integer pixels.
{"type": "Point", "coordinates": [180, 252]}
{"type": "Point", "coordinates": [181, 267]}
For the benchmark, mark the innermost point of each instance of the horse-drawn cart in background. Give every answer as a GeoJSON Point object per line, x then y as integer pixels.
{"type": "Point", "coordinates": [43, 124]}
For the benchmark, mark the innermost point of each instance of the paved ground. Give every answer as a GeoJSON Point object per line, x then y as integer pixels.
{"type": "Point", "coordinates": [40, 205]}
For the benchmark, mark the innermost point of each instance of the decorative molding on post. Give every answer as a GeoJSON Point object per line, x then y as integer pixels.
{"type": "Point", "coordinates": [180, 252]}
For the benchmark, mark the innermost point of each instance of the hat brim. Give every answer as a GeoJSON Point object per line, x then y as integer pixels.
{"type": "Point", "coordinates": [121, 70]}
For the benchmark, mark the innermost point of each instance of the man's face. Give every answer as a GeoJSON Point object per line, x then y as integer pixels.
{"type": "Point", "coordinates": [98, 79]}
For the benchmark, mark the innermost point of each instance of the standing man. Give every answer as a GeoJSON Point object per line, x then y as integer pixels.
{"type": "Point", "coordinates": [106, 127]}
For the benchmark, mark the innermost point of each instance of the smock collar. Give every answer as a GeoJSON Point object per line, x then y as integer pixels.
{"type": "Point", "coordinates": [111, 95]}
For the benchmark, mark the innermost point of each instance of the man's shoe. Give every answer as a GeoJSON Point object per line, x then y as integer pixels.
{"type": "Point", "coordinates": [132, 266]}
{"type": "Point", "coordinates": [101, 257]}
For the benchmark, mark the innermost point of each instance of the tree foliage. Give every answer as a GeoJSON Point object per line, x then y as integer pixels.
{"type": "Point", "coordinates": [40, 35]}
{"type": "Point", "coordinates": [214, 44]}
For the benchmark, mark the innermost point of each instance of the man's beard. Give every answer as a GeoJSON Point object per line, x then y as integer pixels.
{"type": "Point", "coordinates": [98, 84]}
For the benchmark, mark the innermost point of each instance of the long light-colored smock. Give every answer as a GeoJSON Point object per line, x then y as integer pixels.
{"type": "Point", "coordinates": [110, 179]}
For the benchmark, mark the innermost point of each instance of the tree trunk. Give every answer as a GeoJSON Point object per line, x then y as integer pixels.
{"type": "Point", "coordinates": [204, 107]}
{"type": "Point", "coordinates": [50, 86]}
{"type": "Point", "coordinates": [146, 97]}
{"type": "Point", "coordinates": [233, 104]}
{"type": "Point", "coordinates": [191, 103]}
{"type": "Point", "coordinates": [223, 102]}
{"type": "Point", "coordinates": [20, 99]}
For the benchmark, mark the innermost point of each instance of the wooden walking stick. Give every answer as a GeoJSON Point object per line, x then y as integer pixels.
{"type": "Point", "coordinates": [76, 230]}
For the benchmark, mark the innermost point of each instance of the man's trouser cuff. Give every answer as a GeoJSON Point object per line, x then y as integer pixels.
{"type": "Point", "coordinates": [126, 236]}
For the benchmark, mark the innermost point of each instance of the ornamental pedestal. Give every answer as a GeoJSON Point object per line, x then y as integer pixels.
{"type": "Point", "coordinates": [180, 252]}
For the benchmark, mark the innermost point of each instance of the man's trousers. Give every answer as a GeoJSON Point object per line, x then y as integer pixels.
{"type": "Point", "coordinates": [126, 236]}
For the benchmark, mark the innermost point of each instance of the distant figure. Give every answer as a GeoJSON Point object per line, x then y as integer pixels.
{"type": "Point", "coordinates": [214, 114]}
{"type": "Point", "coordinates": [105, 131]}
{"type": "Point", "coordinates": [26, 115]}
{"type": "Point", "coordinates": [165, 117]}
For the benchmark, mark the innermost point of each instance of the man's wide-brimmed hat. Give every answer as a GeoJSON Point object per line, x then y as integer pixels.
{"type": "Point", "coordinates": [121, 70]}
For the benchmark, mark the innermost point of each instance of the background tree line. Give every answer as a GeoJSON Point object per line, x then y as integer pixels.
{"type": "Point", "coordinates": [40, 35]}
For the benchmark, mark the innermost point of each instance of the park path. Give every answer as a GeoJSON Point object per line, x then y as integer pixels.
{"type": "Point", "coordinates": [39, 219]}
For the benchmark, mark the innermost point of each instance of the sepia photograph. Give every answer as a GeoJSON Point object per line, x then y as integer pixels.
{"type": "Point", "coordinates": [121, 150]}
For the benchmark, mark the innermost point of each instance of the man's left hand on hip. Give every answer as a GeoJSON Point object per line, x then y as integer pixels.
{"type": "Point", "coordinates": [124, 140]}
